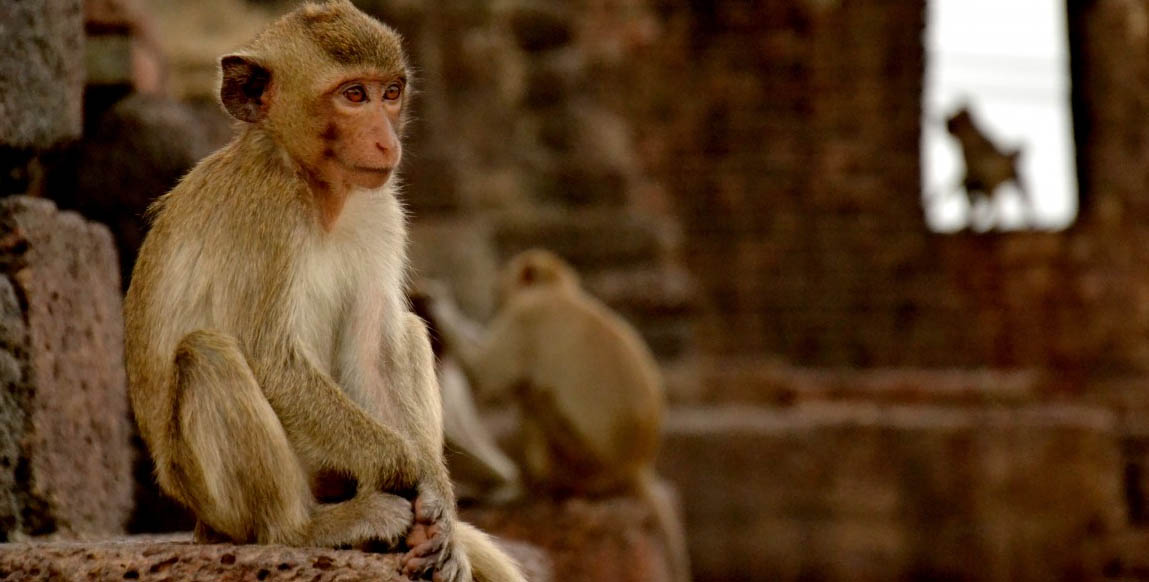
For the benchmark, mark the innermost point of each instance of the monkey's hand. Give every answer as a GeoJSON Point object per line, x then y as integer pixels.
{"type": "Point", "coordinates": [433, 548]}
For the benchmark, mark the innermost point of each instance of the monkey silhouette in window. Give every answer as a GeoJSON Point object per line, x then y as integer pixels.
{"type": "Point", "coordinates": [987, 167]}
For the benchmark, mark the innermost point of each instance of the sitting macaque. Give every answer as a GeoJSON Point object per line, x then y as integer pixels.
{"type": "Point", "coordinates": [284, 389]}
{"type": "Point", "coordinates": [986, 166]}
{"type": "Point", "coordinates": [480, 470]}
{"type": "Point", "coordinates": [589, 391]}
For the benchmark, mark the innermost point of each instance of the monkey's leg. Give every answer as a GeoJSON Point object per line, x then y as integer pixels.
{"type": "Point", "coordinates": [232, 459]}
{"type": "Point", "coordinates": [238, 471]}
{"type": "Point", "coordinates": [370, 516]}
{"type": "Point", "coordinates": [536, 453]}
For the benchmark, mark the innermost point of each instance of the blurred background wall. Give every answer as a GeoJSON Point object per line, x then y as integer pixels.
{"type": "Point", "coordinates": [854, 396]}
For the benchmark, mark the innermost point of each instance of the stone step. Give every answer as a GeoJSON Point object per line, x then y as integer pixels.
{"type": "Point", "coordinates": [176, 559]}
{"type": "Point", "coordinates": [773, 382]}
{"type": "Point", "coordinates": [865, 492]}
{"type": "Point", "coordinates": [611, 539]}
{"type": "Point", "coordinates": [1128, 556]}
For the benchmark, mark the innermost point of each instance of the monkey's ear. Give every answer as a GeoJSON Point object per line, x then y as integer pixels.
{"type": "Point", "coordinates": [244, 89]}
{"type": "Point", "coordinates": [528, 275]}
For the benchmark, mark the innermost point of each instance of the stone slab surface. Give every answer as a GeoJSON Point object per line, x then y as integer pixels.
{"type": "Point", "coordinates": [64, 453]}
{"type": "Point", "coordinates": [863, 492]}
{"type": "Point", "coordinates": [176, 558]}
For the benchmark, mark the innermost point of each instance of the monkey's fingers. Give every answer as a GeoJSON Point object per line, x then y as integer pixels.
{"type": "Point", "coordinates": [416, 568]}
{"type": "Point", "coordinates": [428, 556]}
{"type": "Point", "coordinates": [418, 535]}
{"type": "Point", "coordinates": [448, 572]}
{"type": "Point", "coordinates": [428, 548]}
{"type": "Point", "coordinates": [427, 511]}
{"type": "Point", "coordinates": [419, 567]}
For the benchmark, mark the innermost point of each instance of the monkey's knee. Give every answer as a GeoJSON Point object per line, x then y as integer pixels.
{"type": "Point", "coordinates": [236, 467]}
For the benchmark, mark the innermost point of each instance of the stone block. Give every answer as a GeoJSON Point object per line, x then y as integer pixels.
{"type": "Point", "coordinates": [586, 540]}
{"type": "Point", "coordinates": [130, 159]}
{"type": "Point", "coordinates": [590, 240]}
{"type": "Point", "coordinates": [459, 253]}
{"type": "Point", "coordinates": [772, 382]}
{"type": "Point", "coordinates": [66, 400]}
{"type": "Point", "coordinates": [175, 558]}
{"type": "Point", "coordinates": [42, 64]}
{"type": "Point", "coordinates": [542, 26]}
{"type": "Point", "coordinates": [837, 492]}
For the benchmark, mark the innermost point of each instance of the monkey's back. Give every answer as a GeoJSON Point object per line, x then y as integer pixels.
{"type": "Point", "coordinates": [187, 277]}
{"type": "Point", "coordinates": [602, 377]}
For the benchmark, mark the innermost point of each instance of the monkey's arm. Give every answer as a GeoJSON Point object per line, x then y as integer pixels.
{"type": "Point", "coordinates": [327, 426]}
{"type": "Point", "coordinates": [493, 361]}
{"type": "Point", "coordinates": [432, 537]}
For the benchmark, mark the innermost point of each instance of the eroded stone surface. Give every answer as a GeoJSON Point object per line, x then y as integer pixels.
{"type": "Point", "coordinates": [175, 558]}
{"type": "Point", "coordinates": [865, 492]}
{"type": "Point", "coordinates": [65, 411]}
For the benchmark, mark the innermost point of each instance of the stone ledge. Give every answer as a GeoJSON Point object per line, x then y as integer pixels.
{"type": "Point", "coordinates": [871, 493]}
{"type": "Point", "coordinates": [775, 383]}
{"type": "Point", "coordinates": [176, 558]}
{"type": "Point", "coordinates": [587, 540]}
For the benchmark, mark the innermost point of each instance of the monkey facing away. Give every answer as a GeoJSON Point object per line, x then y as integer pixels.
{"type": "Point", "coordinates": [589, 391]}
{"type": "Point", "coordinates": [986, 166]}
{"type": "Point", "coordinates": [280, 382]}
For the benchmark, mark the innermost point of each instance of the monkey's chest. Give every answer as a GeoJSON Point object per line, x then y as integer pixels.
{"type": "Point", "coordinates": [344, 307]}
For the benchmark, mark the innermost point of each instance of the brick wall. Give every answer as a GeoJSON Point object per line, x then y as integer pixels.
{"type": "Point", "coordinates": [785, 138]}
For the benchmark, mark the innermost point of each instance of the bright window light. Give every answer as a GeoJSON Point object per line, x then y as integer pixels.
{"type": "Point", "coordinates": [1007, 65]}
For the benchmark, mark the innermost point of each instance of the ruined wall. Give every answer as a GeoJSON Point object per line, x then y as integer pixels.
{"type": "Point", "coordinates": [785, 136]}
{"type": "Point", "coordinates": [513, 146]}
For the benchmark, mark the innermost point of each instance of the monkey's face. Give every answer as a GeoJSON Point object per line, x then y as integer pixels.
{"type": "Point", "coordinates": [361, 137]}
{"type": "Point", "coordinates": [328, 83]}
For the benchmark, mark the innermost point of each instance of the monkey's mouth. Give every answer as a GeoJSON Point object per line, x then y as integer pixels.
{"type": "Point", "coordinates": [373, 170]}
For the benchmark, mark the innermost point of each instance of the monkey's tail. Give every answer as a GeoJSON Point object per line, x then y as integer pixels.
{"type": "Point", "coordinates": [488, 562]}
{"type": "Point", "coordinates": [661, 501]}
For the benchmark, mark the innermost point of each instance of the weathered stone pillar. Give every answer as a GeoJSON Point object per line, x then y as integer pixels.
{"type": "Point", "coordinates": [64, 424]}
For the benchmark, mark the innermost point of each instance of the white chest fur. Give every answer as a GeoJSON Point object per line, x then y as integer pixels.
{"type": "Point", "coordinates": [347, 293]}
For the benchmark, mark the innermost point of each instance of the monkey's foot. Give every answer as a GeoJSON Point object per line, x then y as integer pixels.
{"type": "Point", "coordinates": [433, 550]}
{"type": "Point", "coordinates": [204, 534]}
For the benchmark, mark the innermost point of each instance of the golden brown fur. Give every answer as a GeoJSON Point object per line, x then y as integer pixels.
{"type": "Point", "coordinates": [588, 388]}
{"type": "Point", "coordinates": [269, 346]}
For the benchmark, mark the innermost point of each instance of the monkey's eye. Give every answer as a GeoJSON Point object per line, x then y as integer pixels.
{"type": "Point", "coordinates": [355, 94]}
{"type": "Point", "coordinates": [393, 91]}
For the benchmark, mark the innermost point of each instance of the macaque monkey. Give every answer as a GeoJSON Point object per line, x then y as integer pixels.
{"type": "Point", "coordinates": [479, 469]}
{"type": "Point", "coordinates": [589, 391]}
{"type": "Point", "coordinates": [986, 166]}
{"type": "Point", "coordinates": [285, 391]}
